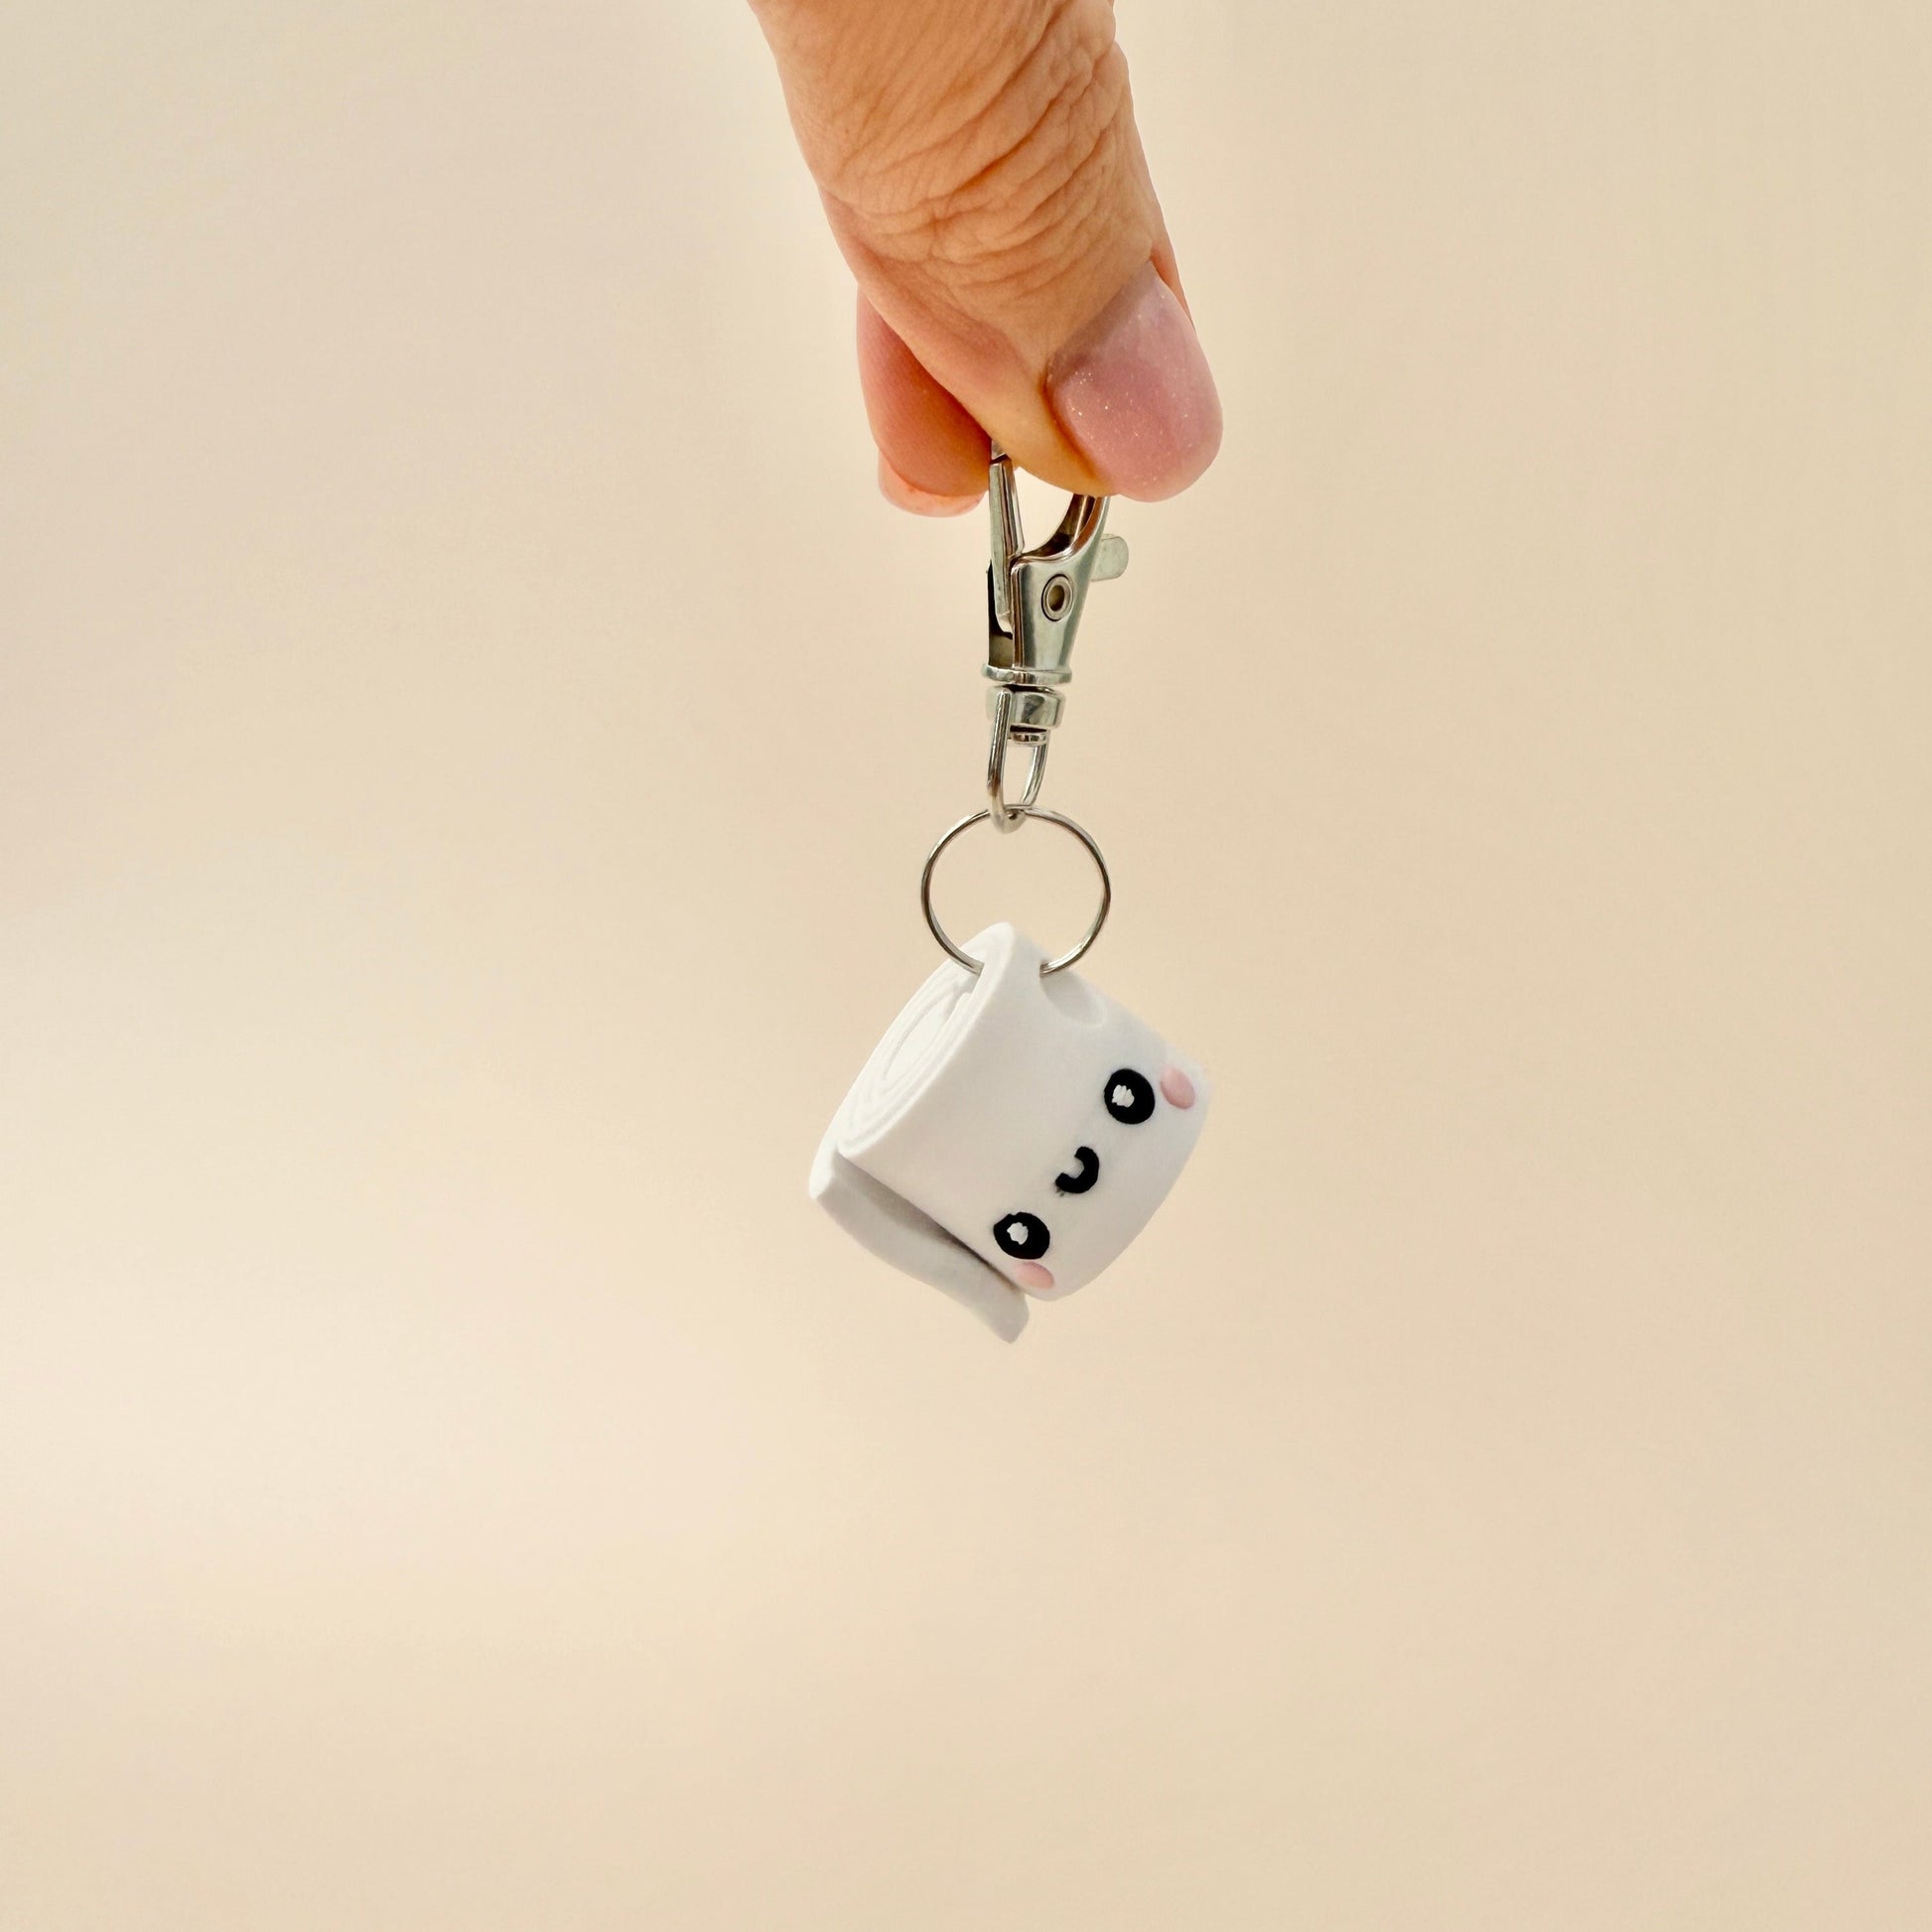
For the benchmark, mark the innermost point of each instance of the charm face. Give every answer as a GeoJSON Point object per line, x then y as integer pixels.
{"type": "Point", "coordinates": [1012, 1132]}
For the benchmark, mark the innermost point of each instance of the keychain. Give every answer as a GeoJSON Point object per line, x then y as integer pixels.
{"type": "Point", "coordinates": [1015, 1129]}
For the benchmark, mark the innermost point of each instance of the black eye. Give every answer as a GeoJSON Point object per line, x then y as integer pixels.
{"type": "Point", "coordinates": [1022, 1236]}
{"type": "Point", "coordinates": [1086, 1170]}
{"type": "Point", "coordinates": [1130, 1096]}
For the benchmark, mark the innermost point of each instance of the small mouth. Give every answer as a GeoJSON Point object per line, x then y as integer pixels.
{"type": "Point", "coordinates": [1082, 1175]}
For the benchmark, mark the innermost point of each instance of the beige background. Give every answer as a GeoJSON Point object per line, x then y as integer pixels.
{"type": "Point", "coordinates": [469, 736]}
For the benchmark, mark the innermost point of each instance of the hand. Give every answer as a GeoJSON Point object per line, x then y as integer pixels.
{"type": "Point", "coordinates": [979, 163]}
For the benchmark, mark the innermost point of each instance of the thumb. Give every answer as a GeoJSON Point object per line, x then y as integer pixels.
{"type": "Point", "coordinates": [984, 178]}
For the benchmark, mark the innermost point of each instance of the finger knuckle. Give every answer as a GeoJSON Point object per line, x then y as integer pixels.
{"type": "Point", "coordinates": [1012, 172]}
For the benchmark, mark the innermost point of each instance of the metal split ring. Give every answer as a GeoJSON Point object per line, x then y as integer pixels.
{"type": "Point", "coordinates": [1066, 824]}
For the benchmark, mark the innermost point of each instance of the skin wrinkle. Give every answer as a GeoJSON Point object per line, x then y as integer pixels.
{"type": "Point", "coordinates": [1016, 185]}
{"type": "Point", "coordinates": [917, 164]}
{"type": "Point", "coordinates": [1031, 211]}
{"type": "Point", "coordinates": [1026, 167]}
{"type": "Point", "coordinates": [1059, 66]}
{"type": "Point", "coordinates": [1096, 78]}
{"type": "Point", "coordinates": [880, 136]}
{"type": "Point", "coordinates": [1075, 211]}
{"type": "Point", "coordinates": [1029, 218]}
{"type": "Point", "coordinates": [1072, 212]}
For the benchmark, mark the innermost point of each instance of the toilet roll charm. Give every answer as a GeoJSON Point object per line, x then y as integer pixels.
{"type": "Point", "coordinates": [1015, 1129]}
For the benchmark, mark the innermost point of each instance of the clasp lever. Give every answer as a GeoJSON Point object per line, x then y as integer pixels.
{"type": "Point", "coordinates": [1033, 602]}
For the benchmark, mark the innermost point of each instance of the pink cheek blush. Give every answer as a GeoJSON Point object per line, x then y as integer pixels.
{"type": "Point", "coordinates": [1030, 1274]}
{"type": "Point", "coordinates": [1179, 1090]}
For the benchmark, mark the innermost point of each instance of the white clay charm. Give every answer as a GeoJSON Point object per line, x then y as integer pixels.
{"type": "Point", "coordinates": [1012, 1133]}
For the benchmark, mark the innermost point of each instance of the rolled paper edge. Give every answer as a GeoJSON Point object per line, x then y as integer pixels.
{"type": "Point", "coordinates": [889, 1226]}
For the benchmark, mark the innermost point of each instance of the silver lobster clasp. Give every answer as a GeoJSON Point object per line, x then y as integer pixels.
{"type": "Point", "coordinates": [1033, 602]}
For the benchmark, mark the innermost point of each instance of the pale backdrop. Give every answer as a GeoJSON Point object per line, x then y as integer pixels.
{"type": "Point", "coordinates": [469, 735]}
